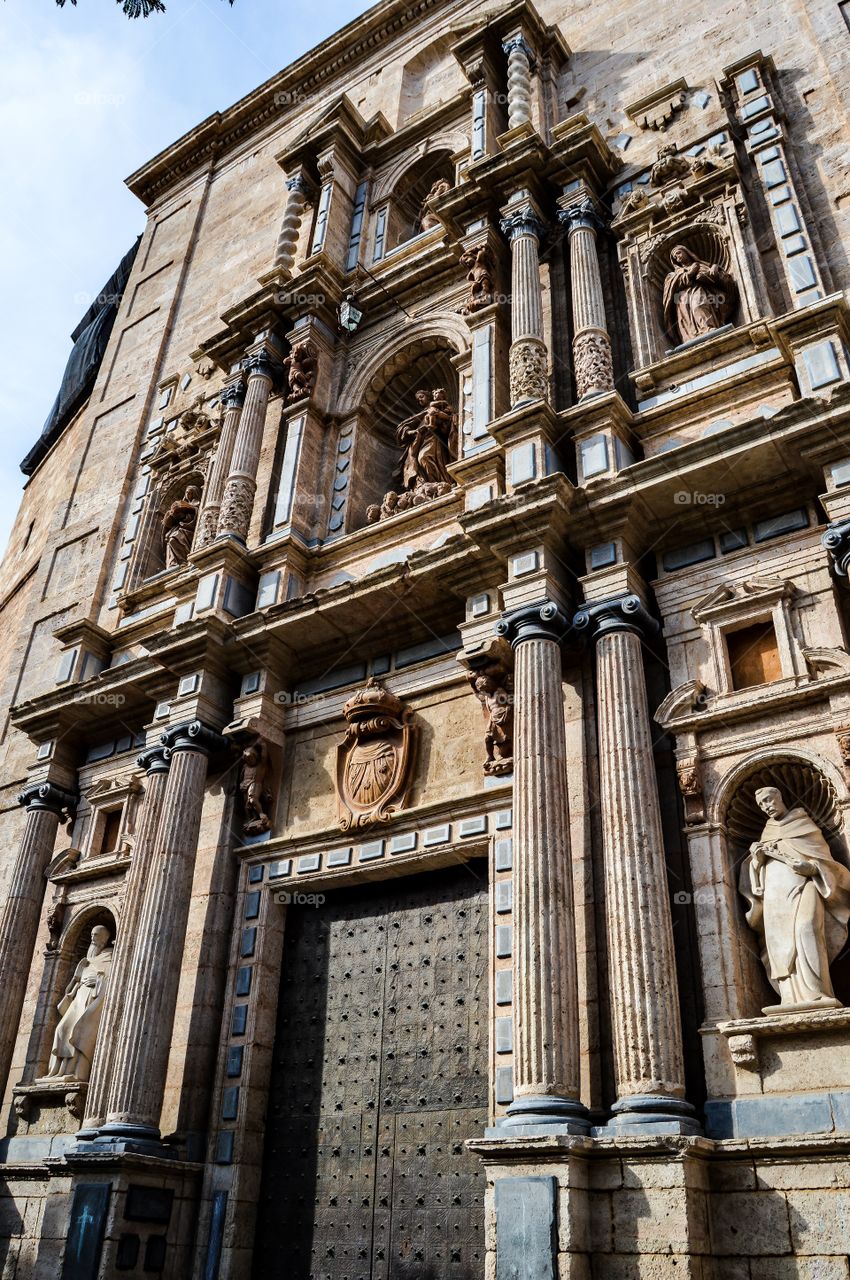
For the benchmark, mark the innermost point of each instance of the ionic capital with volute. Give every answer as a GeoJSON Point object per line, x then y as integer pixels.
{"type": "Point", "coordinates": [193, 735]}
{"type": "Point", "coordinates": [621, 613]}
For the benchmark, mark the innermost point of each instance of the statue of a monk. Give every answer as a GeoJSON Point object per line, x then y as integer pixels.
{"type": "Point", "coordinates": [81, 1008]}
{"type": "Point", "coordinates": [799, 905]}
{"type": "Point", "coordinates": [699, 297]}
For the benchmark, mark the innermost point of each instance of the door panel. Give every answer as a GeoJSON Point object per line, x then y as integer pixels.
{"type": "Point", "coordinates": [379, 1077]}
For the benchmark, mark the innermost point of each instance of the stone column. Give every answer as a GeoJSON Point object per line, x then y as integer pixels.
{"type": "Point", "coordinates": [648, 1059]}
{"type": "Point", "coordinates": [546, 1023]}
{"type": "Point", "coordinates": [232, 399]}
{"type": "Point", "coordinates": [529, 360]}
{"type": "Point", "coordinates": [143, 1040]}
{"type": "Point", "coordinates": [45, 804]}
{"type": "Point", "coordinates": [592, 363]}
{"type": "Point", "coordinates": [290, 228]}
{"type": "Point", "coordinates": [520, 67]}
{"type": "Point", "coordinates": [237, 502]}
{"type": "Point", "coordinates": [155, 762]}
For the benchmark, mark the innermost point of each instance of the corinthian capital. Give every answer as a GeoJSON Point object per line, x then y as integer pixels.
{"type": "Point", "coordinates": [524, 222]}
{"type": "Point", "coordinates": [585, 214]}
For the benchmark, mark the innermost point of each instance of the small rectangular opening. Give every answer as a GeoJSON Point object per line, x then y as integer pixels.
{"type": "Point", "coordinates": [753, 655]}
{"type": "Point", "coordinates": [111, 831]}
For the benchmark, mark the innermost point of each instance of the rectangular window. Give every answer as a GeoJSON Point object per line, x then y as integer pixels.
{"type": "Point", "coordinates": [322, 217]}
{"type": "Point", "coordinates": [356, 227]}
{"type": "Point", "coordinates": [753, 655]}
{"type": "Point", "coordinates": [111, 831]}
{"type": "Point", "coordinates": [380, 233]}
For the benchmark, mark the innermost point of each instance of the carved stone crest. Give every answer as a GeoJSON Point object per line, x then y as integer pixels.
{"type": "Point", "coordinates": [374, 760]}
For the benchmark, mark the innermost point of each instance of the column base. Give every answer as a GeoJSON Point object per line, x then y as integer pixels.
{"type": "Point", "coordinates": [650, 1113]}
{"type": "Point", "coordinates": [118, 1139]}
{"type": "Point", "coordinates": [548, 1114]}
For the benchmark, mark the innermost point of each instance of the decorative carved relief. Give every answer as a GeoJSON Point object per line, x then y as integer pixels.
{"type": "Point", "coordinates": [254, 787]}
{"type": "Point", "coordinates": [237, 505]}
{"type": "Point", "coordinates": [594, 368]}
{"type": "Point", "coordinates": [529, 370]}
{"type": "Point", "coordinates": [690, 784]}
{"type": "Point", "coordinates": [656, 110]}
{"type": "Point", "coordinates": [480, 275]}
{"type": "Point", "coordinates": [55, 921]}
{"type": "Point", "coordinates": [493, 686]}
{"type": "Point", "coordinates": [300, 366]}
{"type": "Point", "coordinates": [842, 735]}
{"type": "Point", "coordinates": [798, 900]}
{"type": "Point", "coordinates": [375, 758]}
{"type": "Point", "coordinates": [427, 218]}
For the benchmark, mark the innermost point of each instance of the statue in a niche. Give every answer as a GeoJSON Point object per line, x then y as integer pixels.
{"type": "Point", "coordinates": [81, 1008]}
{"type": "Point", "coordinates": [253, 786]}
{"type": "Point", "coordinates": [799, 905]}
{"type": "Point", "coordinates": [427, 217]}
{"type": "Point", "coordinates": [699, 297]}
{"type": "Point", "coordinates": [178, 526]}
{"type": "Point", "coordinates": [428, 437]}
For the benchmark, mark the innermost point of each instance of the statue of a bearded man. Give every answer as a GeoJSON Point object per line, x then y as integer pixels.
{"type": "Point", "coordinates": [799, 905]}
{"type": "Point", "coordinates": [81, 1008]}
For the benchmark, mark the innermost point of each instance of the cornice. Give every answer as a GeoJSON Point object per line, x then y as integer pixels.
{"type": "Point", "coordinates": [273, 100]}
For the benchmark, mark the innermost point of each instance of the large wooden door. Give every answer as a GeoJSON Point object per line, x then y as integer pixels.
{"type": "Point", "coordinates": [379, 1077]}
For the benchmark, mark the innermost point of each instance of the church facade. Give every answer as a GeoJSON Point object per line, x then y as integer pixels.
{"type": "Point", "coordinates": [426, 693]}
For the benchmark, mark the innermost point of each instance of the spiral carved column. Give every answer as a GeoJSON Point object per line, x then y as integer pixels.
{"type": "Point", "coordinates": [237, 503]}
{"type": "Point", "coordinates": [143, 1039]}
{"type": "Point", "coordinates": [232, 399]}
{"type": "Point", "coordinates": [45, 805]}
{"type": "Point", "coordinates": [648, 1057]}
{"type": "Point", "coordinates": [155, 762]}
{"type": "Point", "coordinates": [290, 227]}
{"type": "Point", "coordinates": [546, 1022]}
{"type": "Point", "coordinates": [520, 68]}
{"type": "Point", "coordinates": [592, 362]}
{"type": "Point", "coordinates": [529, 359]}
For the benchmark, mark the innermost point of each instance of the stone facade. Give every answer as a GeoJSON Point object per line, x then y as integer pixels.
{"type": "Point", "coordinates": [455, 540]}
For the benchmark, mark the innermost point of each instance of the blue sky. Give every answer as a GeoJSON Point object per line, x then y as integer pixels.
{"type": "Point", "coordinates": [87, 96]}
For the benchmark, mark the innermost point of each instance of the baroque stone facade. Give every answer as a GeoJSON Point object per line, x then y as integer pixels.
{"type": "Point", "coordinates": [426, 690]}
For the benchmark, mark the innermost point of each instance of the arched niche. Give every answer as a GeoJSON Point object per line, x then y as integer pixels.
{"type": "Point", "coordinates": [73, 943]}
{"type": "Point", "coordinates": [406, 215]}
{"type": "Point", "coordinates": [805, 780]}
{"type": "Point", "coordinates": [388, 398]}
{"type": "Point", "coordinates": [707, 243]}
{"type": "Point", "coordinates": [150, 555]}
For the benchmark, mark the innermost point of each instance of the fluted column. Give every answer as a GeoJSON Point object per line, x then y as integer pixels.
{"type": "Point", "coordinates": [520, 67]}
{"type": "Point", "coordinates": [232, 399]}
{"type": "Point", "coordinates": [529, 359]}
{"type": "Point", "coordinates": [290, 228]}
{"type": "Point", "coordinates": [155, 762]}
{"type": "Point", "coordinates": [143, 1039]}
{"type": "Point", "coordinates": [237, 502]}
{"type": "Point", "coordinates": [592, 363]}
{"type": "Point", "coordinates": [45, 805]}
{"type": "Point", "coordinates": [648, 1059]}
{"type": "Point", "coordinates": [546, 1023]}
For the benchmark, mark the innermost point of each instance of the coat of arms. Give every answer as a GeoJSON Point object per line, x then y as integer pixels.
{"type": "Point", "coordinates": [373, 763]}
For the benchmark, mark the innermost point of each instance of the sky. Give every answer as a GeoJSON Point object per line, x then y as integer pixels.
{"type": "Point", "coordinates": [86, 97]}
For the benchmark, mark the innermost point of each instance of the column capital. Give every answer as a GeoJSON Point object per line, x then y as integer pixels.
{"type": "Point", "coordinates": [233, 394]}
{"type": "Point", "coordinates": [836, 540]}
{"type": "Point", "coordinates": [524, 221]}
{"type": "Point", "coordinates": [154, 760]}
{"type": "Point", "coordinates": [583, 214]}
{"type": "Point", "coordinates": [520, 44]}
{"type": "Point", "coordinates": [260, 364]}
{"type": "Point", "coordinates": [299, 184]}
{"type": "Point", "coordinates": [47, 796]}
{"type": "Point", "coordinates": [544, 620]}
{"type": "Point", "coordinates": [621, 613]}
{"type": "Point", "coordinates": [193, 735]}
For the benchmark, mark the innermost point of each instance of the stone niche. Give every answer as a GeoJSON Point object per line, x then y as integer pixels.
{"type": "Point", "coordinates": [692, 199]}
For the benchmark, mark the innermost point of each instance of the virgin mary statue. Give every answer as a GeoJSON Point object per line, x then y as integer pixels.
{"type": "Point", "coordinates": [698, 296]}
{"type": "Point", "coordinates": [799, 905]}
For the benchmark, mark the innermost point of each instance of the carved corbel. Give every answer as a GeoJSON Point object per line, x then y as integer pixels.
{"type": "Point", "coordinates": [490, 675]}
{"type": "Point", "coordinates": [689, 774]}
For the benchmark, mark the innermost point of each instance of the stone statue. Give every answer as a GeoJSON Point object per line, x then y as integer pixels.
{"type": "Point", "coordinates": [427, 218]}
{"type": "Point", "coordinates": [256, 797]}
{"type": "Point", "coordinates": [699, 297]}
{"type": "Point", "coordinates": [428, 436]}
{"type": "Point", "coordinates": [799, 904]}
{"type": "Point", "coordinates": [178, 526]}
{"type": "Point", "coordinates": [481, 267]}
{"type": "Point", "coordinates": [81, 1008]}
{"type": "Point", "coordinates": [300, 366]}
{"type": "Point", "coordinates": [493, 688]}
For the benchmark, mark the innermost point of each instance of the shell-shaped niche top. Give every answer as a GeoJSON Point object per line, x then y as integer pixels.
{"type": "Point", "coordinates": [801, 785]}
